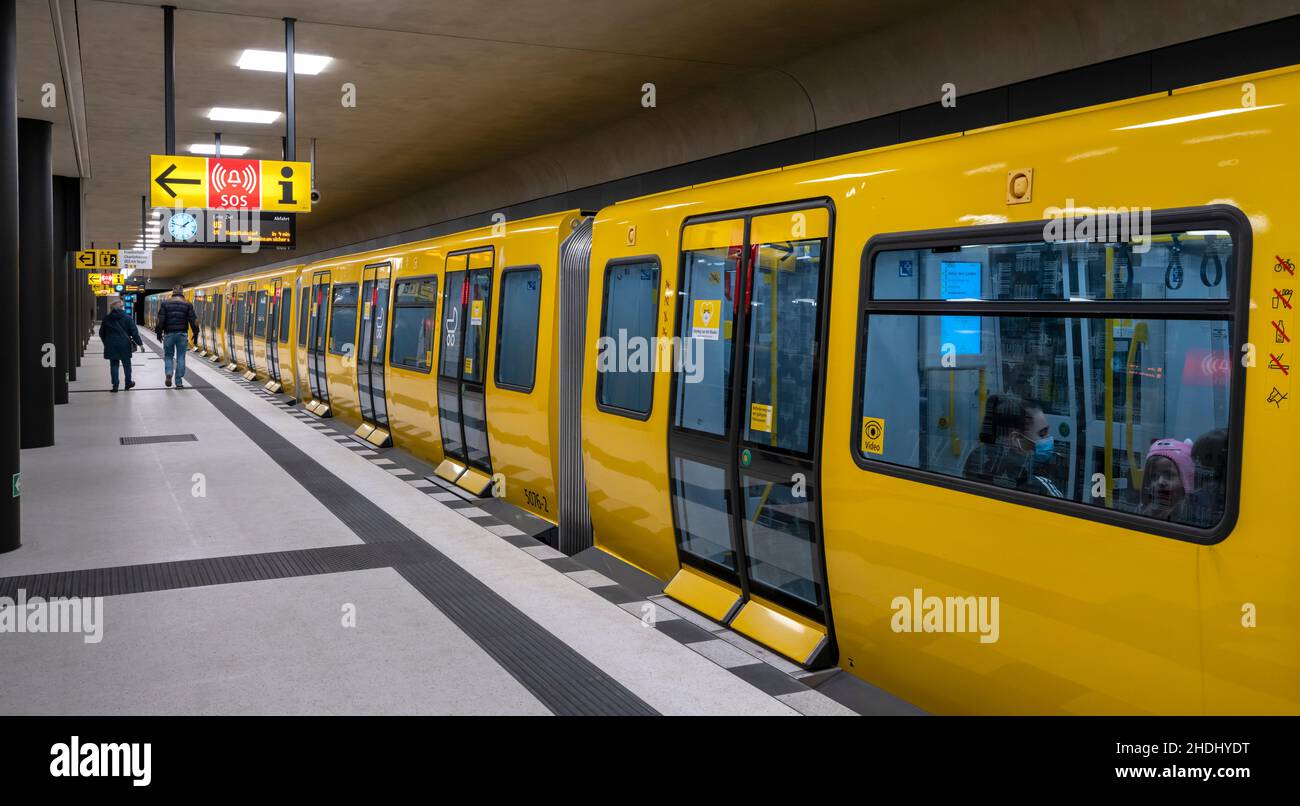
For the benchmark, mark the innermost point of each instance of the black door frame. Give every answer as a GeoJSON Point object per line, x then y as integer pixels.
{"type": "Point", "coordinates": [724, 452]}
{"type": "Point", "coordinates": [457, 385]}
{"type": "Point", "coordinates": [375, 410]}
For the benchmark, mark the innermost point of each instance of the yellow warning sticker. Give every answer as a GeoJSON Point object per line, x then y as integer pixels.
{"type": "Point", "coordinates": [476, 313]}
{"type": "Point", "coordinates": [873, 435]}
{"type": "Point", "coordinates": [469, 366]}
{"type": "Point", "coordinates": [760, 418]}
{"type": "Point", "coordinates": [704, 319]}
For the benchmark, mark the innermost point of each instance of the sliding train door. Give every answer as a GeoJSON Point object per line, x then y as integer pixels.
{"type": "Point", "coordinates": [745, 425]}
{"type": "Point", "coordinates": [317, 341]}
{"type": "Point", "coordinates": [371, 351]}
{"type": "Point", "coordinates": [273, 314]}
{"type": "Point", "coordinates": [462, 370]}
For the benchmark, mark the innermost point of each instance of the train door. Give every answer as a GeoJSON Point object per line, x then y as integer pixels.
{"type": "Point", "coordinates": [273, 314]}
{"type": "Point", "coordinates": [250, 317]}
{"type": "Point", "coordinates": [745, 425]}
{"type": "Point", "coordinates": [462, 374]}
{"type": "Point", "coordinates": [375, 281]}
{"type": "Point", "coordinates": [302, 390]}
{"type": "Point", "coordinates": [317, 341]}
{"type": "Point", "coordinates": [232, 321]}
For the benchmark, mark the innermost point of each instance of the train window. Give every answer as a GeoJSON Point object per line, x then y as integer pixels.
{"type": "Point", "coordinates": [414, 307]}
{"type": "Point", "coordinates": [626, 351]}
{"type": "Point", "coordinates": [285, 307]}
{"type": "Point", "coordinates": [1125, 414]}
{"type": "Point", "coordinates": [259, 324]}
{"type": "Point", "coordinates": [521, 300]}
{"type": "Point", "coordinates": [783, 326]}
{"type": "Point", "coordinates": [304, 313]}
{"type": "Point", "coordinates": [343, 319]}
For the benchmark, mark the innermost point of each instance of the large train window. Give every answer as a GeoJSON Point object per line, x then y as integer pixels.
{"type": "Point", "coordinates": [304, 315]}
{"type": "Point", "coordinates": [626, 350]}
{"type": "Point", "coordinates": [259, 324]}
{"type": "Point", "coordinates": [414, 308]}
{"type": "Point", "coordinates": [285, 307]}
{"type": "Point", "coordinates": [521, 300]}
{"type": "Point", "coordinates": [1094, 377]}
{"type": "Point", "coordinates": [343, 319]}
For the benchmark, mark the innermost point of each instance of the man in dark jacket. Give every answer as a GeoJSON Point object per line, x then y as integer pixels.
{"type": "Point", "coordinates": [120, 337]}
{"type": "Point", "coordinates": [175, 317]}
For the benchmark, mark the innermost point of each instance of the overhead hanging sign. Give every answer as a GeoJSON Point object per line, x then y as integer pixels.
{"type": "Point", "coordinates": [220, 183]}
{"type": "Point", "coordinates": [98, 259]}
{"type": "Point", "coordinates": [231, 229]}
{"type": "Point", "coordinates": [135, 260]}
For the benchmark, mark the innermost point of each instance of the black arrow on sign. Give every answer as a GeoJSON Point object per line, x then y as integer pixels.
{"type": "Point", "coordinates": [87, 260]}
{"type": "Point", "coordinates": [165, 183]}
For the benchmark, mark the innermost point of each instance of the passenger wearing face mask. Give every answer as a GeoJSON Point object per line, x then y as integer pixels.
{"type": "Point", "coordinates": [1015, 445]}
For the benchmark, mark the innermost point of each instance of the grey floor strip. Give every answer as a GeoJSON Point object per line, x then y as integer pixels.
{"type": "Point", "coordinates": [561, 678]}
{"type": "Point", "coordinates": [125, 579]}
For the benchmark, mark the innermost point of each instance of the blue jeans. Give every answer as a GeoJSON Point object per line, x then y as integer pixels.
{"type": "Point", "coordinates": [175, 345]}
{"type": "Point", "coordinates": [112, 370]}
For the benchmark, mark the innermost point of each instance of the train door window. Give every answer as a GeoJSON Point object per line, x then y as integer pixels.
{"type": "Point", "coordinates": [480, 292]}
{"type": "Point", "coordinates": [521, 299]}
{"type": "Point", "coordinates": [474, 373]}
{"type": "Point", "coordinates": [746, 406]}
{"type": "Point", "coordinates": [284, 308]}
{"type": "Point", "coordinates": [343, 319]}
{"type": "Point", "coordinates": [710, 280]}
{"type": "Point", "coordinates": [626, 354]}
{"type": "Point", "coordinates": [259, 326]}
{"type": "Point", "coordinates": [414, 308]}
{"type": "Point", "coordinates": [990, 368]}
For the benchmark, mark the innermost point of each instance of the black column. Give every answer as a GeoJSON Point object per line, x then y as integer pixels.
{"type": "Point", "coordinates": [10, 425]}
{"type": "Point", "coordinates": [36, 287]}
{"type": "Point", "coordinates": [69, 188]}
{"type": "Point", "coordinates": [59, 301]}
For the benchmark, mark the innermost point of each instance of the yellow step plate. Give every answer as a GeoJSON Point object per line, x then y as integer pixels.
{"type": "Point", "coordinates": [714, 598]}
{"type": "Point", "coordinates": [449, 470]}
{"type": "Point", "coordinates": [474, 481]}
{"type": "Point", "coordinates": [363, 430]}
{"type": "Point", "coordinates": [379, 437]}
{"type": "Point", "coordinates": [794, 636]}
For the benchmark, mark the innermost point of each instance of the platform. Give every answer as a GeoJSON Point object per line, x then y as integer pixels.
{"type": "Point", "coordinates": [256, 560]}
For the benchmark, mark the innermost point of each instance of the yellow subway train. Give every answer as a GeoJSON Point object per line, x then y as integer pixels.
{"type": "Point", "coordinates": [1000, 422]}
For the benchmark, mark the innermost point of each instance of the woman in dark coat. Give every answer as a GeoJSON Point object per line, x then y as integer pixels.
{"type": "Point", "coordinates": [120, 337]}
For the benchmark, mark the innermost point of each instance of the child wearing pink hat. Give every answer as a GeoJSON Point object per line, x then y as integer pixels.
{"type": "Point", "coordinates": [1167, 477]}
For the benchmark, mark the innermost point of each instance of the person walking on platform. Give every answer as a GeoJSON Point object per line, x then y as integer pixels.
{"type": "Point", "coordinates": [175, 317]}
{"type": "Point", "coordinates": [120, 337]}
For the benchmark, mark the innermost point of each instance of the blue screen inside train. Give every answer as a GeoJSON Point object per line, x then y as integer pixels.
{"type": "Point", "coordinates": [960, 280]}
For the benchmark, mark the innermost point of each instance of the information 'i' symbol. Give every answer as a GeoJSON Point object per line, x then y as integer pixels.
{"type": "Point", "coordinates": [286, 187]}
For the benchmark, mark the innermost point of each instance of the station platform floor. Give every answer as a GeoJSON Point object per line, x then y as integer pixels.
{"type": "Point", "coordinates": [253, 559]}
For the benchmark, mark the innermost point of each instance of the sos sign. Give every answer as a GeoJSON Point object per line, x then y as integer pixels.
{"type": "Point", "coordinates": [234, 184]}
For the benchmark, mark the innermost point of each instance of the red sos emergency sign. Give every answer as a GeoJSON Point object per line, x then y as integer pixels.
{"type": "Point", "coordinates": [234, 184]}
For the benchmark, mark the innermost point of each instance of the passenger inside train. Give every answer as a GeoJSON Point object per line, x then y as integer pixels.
{"type": "Point", "coordinates": [1014, 442]}
{"type": "Point", "coordinates": [1166, 478]}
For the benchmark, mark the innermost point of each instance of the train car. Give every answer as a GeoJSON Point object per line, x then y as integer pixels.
{"type": "Point", "coordinates": [1000, 421]}
{"type": "Point", "coordinates": [484, 302]}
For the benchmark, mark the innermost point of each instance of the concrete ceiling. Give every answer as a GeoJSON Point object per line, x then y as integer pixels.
{"type": "Point", "coordinates": [443, 88]}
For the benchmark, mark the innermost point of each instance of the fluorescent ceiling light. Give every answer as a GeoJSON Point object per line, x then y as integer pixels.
{"type": "Point", "coordinates": [226, 113]}
{"type": "Point", "coordinates": [210, 149]}
{"type": "Point", "coordinates": [272, 61]}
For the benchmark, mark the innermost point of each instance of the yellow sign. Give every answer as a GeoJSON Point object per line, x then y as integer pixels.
{"type": "Point", "coordinates": [178, 181]}
{"type": "Point", "coordinates": [760, 418]}
{"type": "Point", "coordinates": [286, 186]}
{"type": "Point", "coordinates": [475, 314]}
{"type": "Point", "coordinates": [705, 318]}
{"type": "Point", "coordinates": [106, 258]}
{"type": "Point", "coordinates": [873, 435]}
{"type": "Point", "coordinates": [469, 366]}
{"type": "Point", "coordinates": [97, 279]}
{"type": "Point", "coordinates": [219, 183]}
{"type": "Point", "coordinates": [86, 259]}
